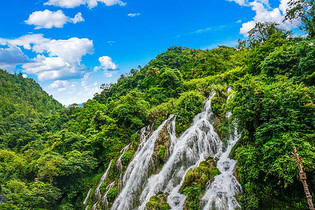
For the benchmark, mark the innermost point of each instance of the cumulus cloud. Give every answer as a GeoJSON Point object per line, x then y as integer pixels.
{"type": "Point", "coordinates": [10, 57]}
{"type": "Point", "coordinates": [60, 85]}
{"type": "Point", "coordinates": [48, 19]}
{"type": "Point", "coordinates": [50, 68]}
{"type": "Point", "coordinates": [56, 59]}
{"type": "Point", "coordinates": [266, 14]}
{"type": "Point", "coordinates": [133, 14]}
{"type": "Point", "coordinates": [74, 91]}
{"type": "Point", "coordinates": [240, 2]}
{"type": "Point", "coordinates": [89, 3]}
{"type": "Point", "coordinates": [106, 65]}
{"type": "Point", "coordinates": [77, 18]}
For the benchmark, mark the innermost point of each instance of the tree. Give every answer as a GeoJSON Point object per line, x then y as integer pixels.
{"type": "Point", "coordinates": [303, 10]}
{"type": "Point", "coordinates": [263, 32]}
{"type": "Point", "coordinates": [49, 166]}
{"type": "Point", "coordinates": [131, 110]}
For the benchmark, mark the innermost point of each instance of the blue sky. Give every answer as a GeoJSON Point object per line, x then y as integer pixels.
{"type": "Point", "coordinates": [71, 47]}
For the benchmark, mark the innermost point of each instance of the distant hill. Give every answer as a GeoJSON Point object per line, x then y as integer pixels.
{"type": "Point", "coordinates": [22, 102]}
{"type": "Point", "coordinates": [79, 105]}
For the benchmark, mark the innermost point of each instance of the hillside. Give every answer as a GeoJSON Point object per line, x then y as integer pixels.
{"type": "Point", "coordinates": [23, 105]}
{"type": "Point", "coordinates": [264, 87]}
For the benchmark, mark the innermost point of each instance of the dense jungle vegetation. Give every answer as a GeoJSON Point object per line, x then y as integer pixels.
{"type": "Point", "coordinates": [51, 155]}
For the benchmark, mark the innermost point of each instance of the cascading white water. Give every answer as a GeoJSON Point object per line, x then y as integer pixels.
{"type": "Point", "coordinates": [186, 152]}
{"type": "Point", "coordinates": [118, 162]}
{"type": "Point", "coordinates": [137, 172]}
{"type": "Point", "coordinates": [108, 188]}
{"type": "Point", "coordinates": [220, 194]}
{"type": "Point", "coordinates": [87, 197]}
{"type": "Point", "coordinates": [120, 166]}
{"type": "Point", "coordinates": [94, 206]}
{"type": "Point", "coordinates": [194, 145]}
{"type": "Point", "coordinates": [97, 190]}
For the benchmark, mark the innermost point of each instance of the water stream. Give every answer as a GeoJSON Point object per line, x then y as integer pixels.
{"type": "Point", "coordinates": [97, 193]}
{"type": "Point", "coordinates": [198, 142]}
{"type": "Point", "coordinates": [220, 194]}
{"type": "Point", "coordinates": [87, 197]}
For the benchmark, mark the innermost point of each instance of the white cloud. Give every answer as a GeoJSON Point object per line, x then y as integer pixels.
{"type": "Point", "coordinates": [106, 65]}
{"type": "Point", "coordinates": [50, 68]}
{"type": "Point", "coordinates": [247, 3]}
{"type": "Point", "coordinates": [42, 63]}
{"type": "Point", "coordinates": [10, 57]}
{"type": "Point", "coordinates": [89, 3]}
{"type": "Point", "coordinates": [56, 59]}
{"type": "Point", "coordinates": [65, 3]}
{"type": "Point", "coordinates": [112, 2]}
{"type": "Point", "coordinates": [240, 2]}
{"type": "Point", "coordinates": [266, 14]}
{"type": "Point", "coordinates": [133, 14]}
{"type": "Point", "coordinates": [246, 27]}
{"type": "Point", "coordinates": [48, 19]}
{"type": "Point", "coordinates": [89, 85]}
{"type": "Point", "coordinates": [77, 18]}
{"type": "Point", "coordinates": [60, 85]}
{"type": "Point", "coordinates": [70, 50]}
{"type": "Point", "coordinates": [74, 91]}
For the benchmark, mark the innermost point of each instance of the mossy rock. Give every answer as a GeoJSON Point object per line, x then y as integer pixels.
{"type": "Point", "coordinates": [126, 157]}
{"type": "Point", "coordinates": [111, 195]}
{"type": "Point", "coordinates": [161, 150]}
{"type": "Point", "coordinates": [158, 202]}
{"type": "Point", "coordinates": [218, 103]}
{"type": "Point", "coordinates": [214, 172]}
{"type": "Point", "coordinates": [196, 181]}
{"type": "Point", "coordinates": [161, 153]}
{"type": "Point", "coordinates": [103, 187]}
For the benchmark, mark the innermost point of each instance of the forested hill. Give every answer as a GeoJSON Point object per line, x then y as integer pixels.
{"type": "Point", "coordinates": [51, 156]}
{"type": "Point", "coordinates": [22, 104]}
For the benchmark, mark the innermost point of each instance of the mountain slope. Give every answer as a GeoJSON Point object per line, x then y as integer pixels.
{"type": "Point", "coordinates": [81, 154]}
{"type": "Point", "coordinates": [22, 103]}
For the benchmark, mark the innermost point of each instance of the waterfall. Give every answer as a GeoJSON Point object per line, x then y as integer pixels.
{"type": "Point", "coordinates": [108, 188]}
{"type": "Point", "coordinates": [94, 207]}
{"type": "Point", "coordinates": [194, 145]}
{"type": "Point", "coordinates": [97, 190]}
{"type": "Point", "coordinates": [137, 172]}
{"type": "Point", "coordinates": [220, 194]}
{"type": "Point", "coordinates": [198, 142]}
{"type": "Point", "coordinates": [120, 166]}
{"type": "Point", "coordinates": [87, 197]}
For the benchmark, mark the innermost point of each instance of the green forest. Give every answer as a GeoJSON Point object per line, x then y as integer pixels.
{"type": "Point", "coordinates": [50, 155]}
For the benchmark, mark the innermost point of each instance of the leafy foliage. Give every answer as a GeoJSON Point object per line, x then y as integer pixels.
{"type": "Point", "coordinates": [305, 11]}
{"type": "Point", "coordinates": [51, 155]}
